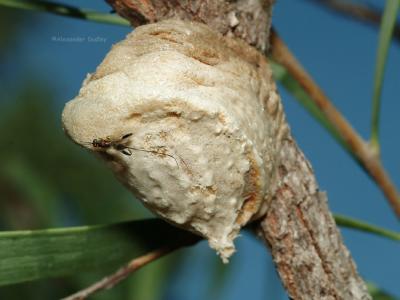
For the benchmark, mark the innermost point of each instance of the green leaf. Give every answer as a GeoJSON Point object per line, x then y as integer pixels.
{"type": "Point", "coordinates": [385, 35]}
{"type": "Point", "coordinates": [66, 10]}
{"type": "Point", "coordinates": [344, 221]}
{"type": "Point", "coordinates": [30, 255]}
{"type": "Point", "coordinates": [379, 294]}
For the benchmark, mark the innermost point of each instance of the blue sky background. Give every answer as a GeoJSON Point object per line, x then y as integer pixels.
{"type": "Point", "coordinates": [340, 54]}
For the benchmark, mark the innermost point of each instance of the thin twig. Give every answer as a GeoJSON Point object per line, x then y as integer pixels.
{"type": "Point", "coordinates": [135, 264]}
{"type": "Point", "coordinates": [122, 273]}
{"type": "Point", "coordinates": [362, 151]}
{"type": "Point", "coordinates": [66, 10]}
{"type": "Point", "coordinates": [358, 12]}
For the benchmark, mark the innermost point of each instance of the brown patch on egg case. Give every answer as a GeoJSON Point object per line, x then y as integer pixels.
{"type": "Point", "coordinates": [198, 45]}
{"type": "Point", "coordinates": [166, 36]}
{"type": "Point", "coordinates": [205, 56]}
{"type": "Point", "coordinates": [171, 108]}
{"type": "Point", "coordinates": [134, 115]}
{"type": "Point", "coordinates": [174, 114]}
{"type": "Point", "coordinates": [198, 80]}
{"type": "Point", "coordinates": [205, 190]}
{"type": "Point", "coordinates": [252, 194]}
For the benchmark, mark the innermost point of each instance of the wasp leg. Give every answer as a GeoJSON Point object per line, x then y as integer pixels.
{"type": "Point", "coordinates": [126, 136]}
{"type": "Point", "coordinates": [126, 151]}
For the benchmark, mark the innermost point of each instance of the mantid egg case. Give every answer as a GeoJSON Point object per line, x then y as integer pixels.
{"type": "Point", "coordinates": [204, 113]}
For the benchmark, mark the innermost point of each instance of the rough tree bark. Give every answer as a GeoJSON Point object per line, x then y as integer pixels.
{"type": "Point", "coordinates": [307, 248]}
{"type": "Point", "coordinates": [305, 243]}
{"type": "Point", "coordinates": [249, 20]}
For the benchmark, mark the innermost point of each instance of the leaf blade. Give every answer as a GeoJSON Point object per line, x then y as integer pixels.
{"type": "Point", "coordinates": [385, 35]}
{"type": "Point", "coordinates": [379, 294]}
{"type": "Point", "coordinates": [66, 10]}
{"type": "Point", "coordinates": [30, 255]}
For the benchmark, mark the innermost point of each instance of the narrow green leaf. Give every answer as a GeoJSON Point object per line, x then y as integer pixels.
{"type": "Point", "coordinates": [379, 294]}
{"type": "Point", "coordinates": [66, 10]}
{"type": "Point", "coordinates": [29, 255]}
{"type": "Point", "coordinates": [363, 226]}
{"type": "Point", "coordinates": [385, 35]}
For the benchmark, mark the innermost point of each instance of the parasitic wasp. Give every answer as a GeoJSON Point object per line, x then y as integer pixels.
{"type": "Point", "coordinates": [121, 146]}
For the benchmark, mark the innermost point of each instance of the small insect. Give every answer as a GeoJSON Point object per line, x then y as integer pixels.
{"type": "Point", "coordinates": [120, 145]}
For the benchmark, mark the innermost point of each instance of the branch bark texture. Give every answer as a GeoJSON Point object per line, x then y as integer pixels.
{"type": "Point", "coordinates": [305, 243]}
{"type": "Point", "coordinates": [248, 20]}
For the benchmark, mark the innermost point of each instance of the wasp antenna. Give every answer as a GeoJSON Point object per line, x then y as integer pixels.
{"type": "Point", "coordinates": [171, 157]}
{"type": "Point", "coordinates": [137, 149]}
{"type": "Point", "coordinates": [155, 152]}
{"type": "Point", "coordinates": [184, 162]}
{"type": "Point", "coordinates": [180, 158]}
{"type": "Point", "coordinates": [86, 143]}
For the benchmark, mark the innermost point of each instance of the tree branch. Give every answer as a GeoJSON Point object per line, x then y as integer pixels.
{"type": "Point", "coordinates": [361, 150]}
{"type": "Point", "coordinates": [248, 20]}
{"type": "Point", "coordinates": [306, 245]}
